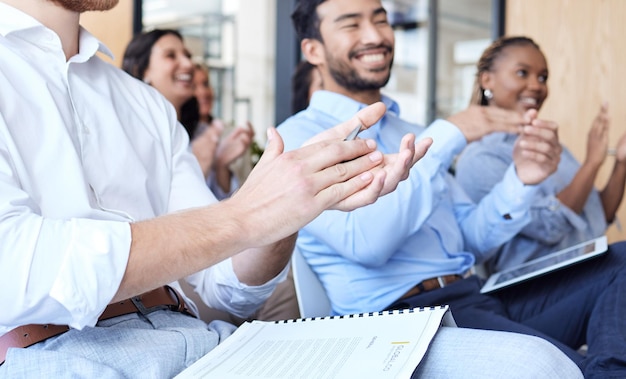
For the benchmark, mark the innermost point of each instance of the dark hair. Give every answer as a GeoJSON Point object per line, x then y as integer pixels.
{"type": "Point", "coordinates": [190, 116]}
{"type": "Point", "coordinates": [137, 55]}
{"type": "Point", "coordinates": [204, 68]}
{"type": "Point", "coordinates": [136, 61]}
{"type": "Point", "coordinates": [489, 56]}
{"type": "Point", "coordinates": [305, 19]}
{"type": "Point", "coordinates": [301, 85]}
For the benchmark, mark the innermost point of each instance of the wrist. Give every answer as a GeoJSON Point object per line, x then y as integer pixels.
{"type": "Point", "coordinates": [621, 164]}
{"type": "Point", "coordinates": [620, 160]}
{"type": "Point", "coordinates": [592, 165]}
{"type": "Point", "coordinates": [239, 221]}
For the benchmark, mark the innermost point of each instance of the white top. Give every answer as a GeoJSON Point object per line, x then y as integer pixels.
{"type": "Point", "coordinates": [85, 149]}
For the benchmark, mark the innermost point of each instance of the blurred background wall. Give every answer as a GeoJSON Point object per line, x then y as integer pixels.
{"type": "Point", "coordinates": [438, 43]}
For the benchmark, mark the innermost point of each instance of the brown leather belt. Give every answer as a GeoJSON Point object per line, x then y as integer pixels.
{"type": "Point", "coordinates": [431, 284]}
{"type": "Point", "coordinates": [161, 298]}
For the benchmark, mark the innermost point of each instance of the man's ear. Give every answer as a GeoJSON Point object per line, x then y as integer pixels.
{"type": "Point", "coordinates": [313, 51]}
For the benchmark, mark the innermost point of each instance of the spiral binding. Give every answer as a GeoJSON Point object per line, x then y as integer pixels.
{"type": "Point", "coordinates": [367, 314]}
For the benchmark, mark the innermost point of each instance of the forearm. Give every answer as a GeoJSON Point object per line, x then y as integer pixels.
{"type": "Point", "coordinates": [613, 193]}
{"type": "Point", "coordinates": [205, 166]}
{"type": "Point", "coordinates": [204, 156]}
{"type": "Point", "coordinates": [256, 266]}
{"type": "Point", "coordinates": [575, 195]}
{"type": "Point", "coordinates": [173, 246]}
{"type": "Point", "coordinates": [223, 176]}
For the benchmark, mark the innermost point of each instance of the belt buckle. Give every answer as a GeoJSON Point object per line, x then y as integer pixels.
{"type": "Point", "coordinates": [178, 307]}
{"type": "Point", "coordinates": [442, 283]}
{"type": "Point", "coordinates": [143, 309]}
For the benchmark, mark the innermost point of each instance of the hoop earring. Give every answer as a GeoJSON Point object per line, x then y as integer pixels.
{"type": "Point", "coordinates": [488, 94]}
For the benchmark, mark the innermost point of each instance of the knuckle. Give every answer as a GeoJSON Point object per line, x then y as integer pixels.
{"type": "Point", "coordinates": [340, 170]}
{"type": "Point", "coordinates": [335, 149]}
{"type": "Point", "coordinates": [296, 167]}
{"type": "Point", "coordinates": [337, 192]}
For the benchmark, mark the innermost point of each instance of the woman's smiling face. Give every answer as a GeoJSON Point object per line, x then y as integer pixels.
{"type": "Point", "coordinates": [170, 70]}
{"type": "Point", "coordinates": [518, 78]}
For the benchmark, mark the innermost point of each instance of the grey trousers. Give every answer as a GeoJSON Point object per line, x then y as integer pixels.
{"type": "Point", "coordinates": [163, 343]}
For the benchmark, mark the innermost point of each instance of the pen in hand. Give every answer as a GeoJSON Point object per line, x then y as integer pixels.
{"type": "Point", "coordinates": [353, 133]}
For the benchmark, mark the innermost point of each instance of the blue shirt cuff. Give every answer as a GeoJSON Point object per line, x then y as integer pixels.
{"type": "Point", "coordinates": [514, 198]}
{"type": "Point", "coordinates": [448, 140]}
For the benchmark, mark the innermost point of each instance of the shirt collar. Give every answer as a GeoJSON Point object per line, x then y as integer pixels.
{"type": "Point", "coordinates": [342, 107]}
{"type": "Point", "coordinates": [13, 20]}
{"type": "Point", "coordinates": [89, 45]}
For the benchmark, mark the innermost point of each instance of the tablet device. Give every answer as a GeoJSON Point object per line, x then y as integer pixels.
{"type": "Point", "coordinates": [546, 264]}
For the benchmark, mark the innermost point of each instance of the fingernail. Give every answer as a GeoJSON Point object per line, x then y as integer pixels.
{"type": "Point", "coordinates": [371, 143]}
{"type": "Point", "coordinates": [376, 156]}
{"type": "Point", "coordinates": [269, 135]}
{"type": "Point", "coordinates": [366, 176]}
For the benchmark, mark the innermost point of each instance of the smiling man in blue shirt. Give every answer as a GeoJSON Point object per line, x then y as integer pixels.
{"type": "Point", "coordinates": [415, 246]}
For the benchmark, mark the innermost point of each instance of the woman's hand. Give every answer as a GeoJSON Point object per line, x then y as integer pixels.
{"type": "Point", "coordinates": [537, 151]}
{"type": "Point", "coordinates": [598, 138]}
{"type": "Point", "coordinates": [234, 145]}
{"type": "Point", "coordinates": [204, 146]}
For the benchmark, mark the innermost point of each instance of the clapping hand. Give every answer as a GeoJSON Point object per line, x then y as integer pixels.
{"type": "Point", "coordinates": [598, 138]}
{"type": "Point", "coordinates": [537, 150]}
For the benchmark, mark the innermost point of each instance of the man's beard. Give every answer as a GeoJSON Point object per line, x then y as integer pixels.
{"type": "Point", "coordinates": [81, 6]}
{"type": "Point", "coordinates": [349, 78]}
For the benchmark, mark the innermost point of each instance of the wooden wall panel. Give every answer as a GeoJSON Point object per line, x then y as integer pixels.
{"type": "Point", "coordinates": [114, 28]}
{"type": "Point", "coordinates": [583, 41]}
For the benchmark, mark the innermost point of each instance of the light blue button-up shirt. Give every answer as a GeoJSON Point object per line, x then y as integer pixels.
{"type": "Point", "coordinates": [554, 226]}
{"type": "Point", "coordinates": [427, 227]}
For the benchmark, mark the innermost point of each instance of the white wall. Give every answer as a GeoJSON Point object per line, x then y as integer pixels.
{"type": "Point", "coordinates": [255, 56]}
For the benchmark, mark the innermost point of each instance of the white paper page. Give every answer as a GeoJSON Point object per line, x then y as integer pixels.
{"type": "Point", "coordinates": [377, 346]}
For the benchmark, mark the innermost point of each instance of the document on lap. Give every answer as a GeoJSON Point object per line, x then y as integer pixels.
{"type": "Point", "coordinates": [387, 344]}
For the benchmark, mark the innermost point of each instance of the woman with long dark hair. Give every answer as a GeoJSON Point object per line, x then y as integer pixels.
{"type": "Point", "coordinates": [160, 59]}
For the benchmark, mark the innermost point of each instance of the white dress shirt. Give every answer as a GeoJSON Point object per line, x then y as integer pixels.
{"type": "Point", "coordinates": [84, 150]}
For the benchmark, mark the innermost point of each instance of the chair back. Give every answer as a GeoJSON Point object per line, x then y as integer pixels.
{"type": "Point", "coordinates": [312, 298]}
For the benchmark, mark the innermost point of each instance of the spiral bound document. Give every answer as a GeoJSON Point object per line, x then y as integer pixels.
{"type": "Point", "coordinates": [387, 344]}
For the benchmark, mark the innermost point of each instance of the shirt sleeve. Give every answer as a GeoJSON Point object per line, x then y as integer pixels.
{"type": "Point", "coordinates": [188, 187]}
{"type": "Point", "coordinates": [497, 218]}
{"type": "Point", "coordinates": [61, 271]}
{"type": "Point", "coordinates": [219, 288]}
{"type": "Point", "coordinates": [359, 235]}
{"type": "Point", "coordinates": [483, 165]}
{"type": "Point", "coordinates": [551, 221]}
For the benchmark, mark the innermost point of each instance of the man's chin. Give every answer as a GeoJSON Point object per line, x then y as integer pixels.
{"type": "Point", "coordinates": [81, 6]}
{"type": "Point", "coordinates": [378, 81]}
